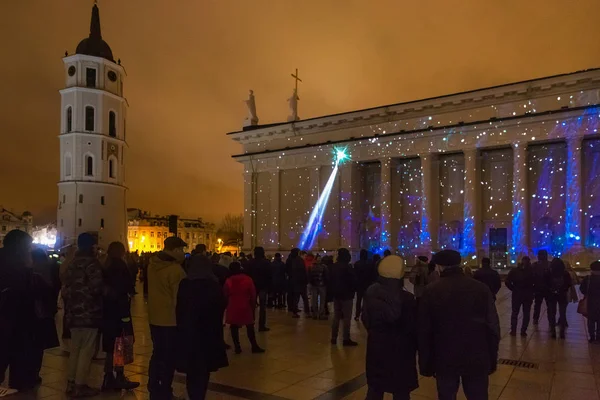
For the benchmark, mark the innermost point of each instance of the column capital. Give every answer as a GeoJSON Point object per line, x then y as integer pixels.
{"type": "Point", "coordinates": [519, 145]}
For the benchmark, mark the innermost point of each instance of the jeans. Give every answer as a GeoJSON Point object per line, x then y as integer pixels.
{"type": "Point", "coordinates": [342, 310]}
{"type": "Point", "coordinates": [359, 300]}
{"type": "Point", "coordinates": [537, 306]}
{"type": "Point", "coordinates": [474, 386]}
{"type": "Point", "coordinates": [373, 394]}
{"type": "Point", "coordinates": [518, 302]}
{"type": "Point", "coordinates": [304, 295]}
{"type": "Point", "coordinates": [593, 328]}
{"type": "Point", "coordinates": [196, 383]}
{"type": "Point", "coordinates": [83, 345]}
{"type": "Point", "coordinates": [162, 362]}
{"type": "Point", "coordinates": [262, 308]}
{"type": "Point", "coordinates": [554, 302]}
{"type": "Point", "coordinates": [318, 300]}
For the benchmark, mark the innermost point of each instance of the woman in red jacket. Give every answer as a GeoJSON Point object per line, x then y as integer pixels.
{"type": "Point", "coordinates": [241, 303]}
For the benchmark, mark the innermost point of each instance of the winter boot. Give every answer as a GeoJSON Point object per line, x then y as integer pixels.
{"type": "Point", "coordinates": [553, 333]}
{"type": "Point", "coordinates": [122, 383]}
{"type": "Point", "coordinates": [84, 391]}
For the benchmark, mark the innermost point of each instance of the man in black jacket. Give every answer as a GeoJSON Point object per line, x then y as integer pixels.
{"type": "Point", "coordinates": [488, 276]}
{"type": "Point", "coordinates": [459, 331]}
{"type": "Point", "coordinates": [520, 282]}
{"type": "Point", "coordinates": [541, 268]}
{"type": "Point", "coordinates": [259, 269]}
{"type": "Point", "coordinates": [343, 286]}
{"type": "Point", "coordinates": [366, 275]}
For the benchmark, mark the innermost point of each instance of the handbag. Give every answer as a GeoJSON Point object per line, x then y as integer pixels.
{"type": "Point", "coordinates": [123, 351]}
{"type": "Point", "coordinates": [582, 307]}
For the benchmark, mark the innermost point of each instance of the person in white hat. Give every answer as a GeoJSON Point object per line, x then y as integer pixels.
{"type": "Point", "coordinates": [389, 314]}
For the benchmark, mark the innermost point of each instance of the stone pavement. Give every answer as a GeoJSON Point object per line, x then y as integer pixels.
{"type": "Point", "coordinates": [301, 364]}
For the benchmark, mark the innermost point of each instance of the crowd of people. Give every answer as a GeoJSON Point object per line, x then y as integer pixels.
{"type": "Point", "coordinates": [449, 326]}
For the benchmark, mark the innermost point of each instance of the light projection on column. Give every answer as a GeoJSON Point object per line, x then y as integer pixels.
{"type": "Point", "coordinates": [311, 231]}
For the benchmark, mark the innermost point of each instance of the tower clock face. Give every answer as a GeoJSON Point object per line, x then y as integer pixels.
{"type": "Point", "coordinates": [72, 70]}
{"type": "Point", "coordinates": [112, 76]}
{"type": "Point", "coordinates": [112, 147]}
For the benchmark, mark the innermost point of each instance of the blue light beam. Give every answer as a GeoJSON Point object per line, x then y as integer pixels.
{"type": "Point", "coordinates": [313, 227]}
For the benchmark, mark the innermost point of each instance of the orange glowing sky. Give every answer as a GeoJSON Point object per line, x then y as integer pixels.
{"type": "Point", "coordinates": [190, 64]}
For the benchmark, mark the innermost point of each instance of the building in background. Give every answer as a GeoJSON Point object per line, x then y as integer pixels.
{"type": "Point", "coordinates": [91, 188]}
{"type": "Point", "coordinates": [147, 232]}
{"type": "Point", "coordinates": [501, 172]}
{"type": "Point", "coordinates": [45, 235]}
{"type": "Point", "coordinates": [10, 221]}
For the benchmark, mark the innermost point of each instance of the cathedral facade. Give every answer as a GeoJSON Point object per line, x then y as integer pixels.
{"type": "Point", "coordinates": [91, 189]}
{"type": "Point", "coordinates": [500, 172]}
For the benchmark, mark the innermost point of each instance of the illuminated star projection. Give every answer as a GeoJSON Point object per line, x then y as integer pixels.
{"type": "Point", "coordinates": [314, 225]}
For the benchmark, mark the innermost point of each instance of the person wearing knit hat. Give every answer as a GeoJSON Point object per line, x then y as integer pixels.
{"type": "Point", "coordinates": [389, 314]}
{"type": "Point", "coordinates": [83, 288]}
{"type": "Point", "coordinates": [458, 331]}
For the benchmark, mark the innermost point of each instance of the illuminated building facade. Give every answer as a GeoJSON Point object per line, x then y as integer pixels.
{"type": "Point", "coordinates": [91, 189]}
{"type": "Point", "coordinates": [10, 221]}
{"type": "Point", "coordinates": [146, 232]}
{"type": "Point", "coordinates": [503, 172]}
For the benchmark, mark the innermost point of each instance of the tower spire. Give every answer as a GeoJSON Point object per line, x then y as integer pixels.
{"type": "Point", "coordinates": [95, 32]}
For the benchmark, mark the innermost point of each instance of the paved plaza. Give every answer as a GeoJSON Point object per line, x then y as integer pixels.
{"type": "Point", "coordinates": [301, 364]}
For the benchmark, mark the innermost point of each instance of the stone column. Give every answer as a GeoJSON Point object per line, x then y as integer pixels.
{"type": "Point", "coordinates": [520, 215]}
{"type": "Point", "coordinates": [429, 201]}
{"type": "Point", "coordinates": [315, 192]}
{"type": "Point", "coordinates": [348, 230]}
{"type": "Point", "coordinates": [275, 196]}
{"type": "Point", "coordinates": [573, 220]}
{"type": "Point", "coordinates": [470, 216]}
{"type": "Point", "coordinates": [386, 204]}
{"type": "Point", "coordinates": [249, 212]}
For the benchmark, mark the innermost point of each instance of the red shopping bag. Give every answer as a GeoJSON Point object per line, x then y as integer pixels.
{"type": "Point", "coordinates": [123, 352]}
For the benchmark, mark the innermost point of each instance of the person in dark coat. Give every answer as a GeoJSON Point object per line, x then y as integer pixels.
{"type": "Point", "coordinates": [278, 281]}
{"type": "Point", "coordinates": [319, 276]}
{"type": "Point", "coordinates": [328, 263]}
{"type": "Point", "coordinates": [298, 278]}
{"type": "Point", "coordinates": [259, 269]}
{"type": "Point", "coordinates": [17, 312]}
{"type": "Point", "coordinates": [200, 307]}
{"type": "Point", "coordinates": [116, 320]}
{"type": "Point", "coordinates": [558, 282]}
{"type": "Point", "coordinates": [366, 275]}
{"type": "Point", "coordinates": [488, 276]}
{"type": "Point", "coordinates": [521, 283]}
{"type": "Point", "coordinates": [590, 288]}
{"type": "Point", "coordinates": [458, 331]}
{"type": "Point", "coordinates": [540, 268]}
{"type": "Point", "coordinates": [389, 314]}
{"type": "Point", "coordinates": [343, 286]}
{"type": "Point", "coordinates": [241, 303]}
{"type": "Point", "coordinates": [46, 296]}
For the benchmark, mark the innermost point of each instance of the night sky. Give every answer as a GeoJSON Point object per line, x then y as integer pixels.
{"type": "Point", "coordinates": [190, 64]}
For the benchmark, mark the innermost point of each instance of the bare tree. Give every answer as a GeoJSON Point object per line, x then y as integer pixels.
{"type": "Point", "coordinates": [232, 228]}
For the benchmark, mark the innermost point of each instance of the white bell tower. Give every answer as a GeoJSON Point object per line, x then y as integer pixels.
{"type": "Point", "coordinates": [91, 189]}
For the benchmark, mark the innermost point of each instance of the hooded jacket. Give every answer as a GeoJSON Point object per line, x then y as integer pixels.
{"type": "Point", "coordinates": [164, 276]}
